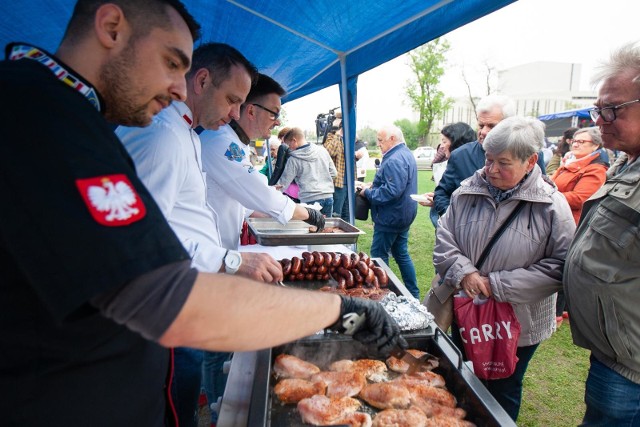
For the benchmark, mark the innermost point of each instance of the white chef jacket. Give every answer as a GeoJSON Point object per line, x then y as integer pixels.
{"type": "Point", "coordinates": [168, 160]}
{"type": "Point", "coordinates": [233, 184]}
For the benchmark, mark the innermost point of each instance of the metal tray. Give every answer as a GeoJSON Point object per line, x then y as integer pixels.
{"type": "Point", "coordinates": [472, 396]}
{"type": "Point", "coordinates": [269, 232]}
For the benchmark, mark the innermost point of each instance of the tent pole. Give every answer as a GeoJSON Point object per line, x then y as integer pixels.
{"type": "Point", "coordinates": [348, 95]}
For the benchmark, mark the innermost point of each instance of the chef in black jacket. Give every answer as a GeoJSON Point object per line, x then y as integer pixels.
{"type": "Point", "coordinates": [94, 285]}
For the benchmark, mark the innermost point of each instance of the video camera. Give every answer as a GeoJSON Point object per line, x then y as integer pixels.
{"type": "Point", "coordinates": [324, 124]}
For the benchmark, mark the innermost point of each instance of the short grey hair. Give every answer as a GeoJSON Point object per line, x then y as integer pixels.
{"type": "Point", "coordinates": [274, 141]}
{"type": "Point", "coordinates": [488, 103]}
{"type": "Point", "coordinates": [622, 60]}
{"type": "Point", "coordinates": [392, 130]}
{"type": "Point", "coordinates": [519, 136]}
{"type": "Point", "coordinates": [593, 132]}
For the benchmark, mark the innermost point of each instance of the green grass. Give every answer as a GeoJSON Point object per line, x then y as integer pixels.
{"type": "Point", "coordinates": [554, 382]}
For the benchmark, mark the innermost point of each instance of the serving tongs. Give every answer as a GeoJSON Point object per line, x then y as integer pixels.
{"type": "Point", "coordinates": [416, 364]}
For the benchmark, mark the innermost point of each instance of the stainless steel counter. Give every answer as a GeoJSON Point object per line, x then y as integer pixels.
{"type": "Point", "coordinates": [234, 409]}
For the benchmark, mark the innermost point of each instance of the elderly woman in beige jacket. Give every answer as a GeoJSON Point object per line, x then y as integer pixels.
{"type": "Point", "coordinates": [524, 267]}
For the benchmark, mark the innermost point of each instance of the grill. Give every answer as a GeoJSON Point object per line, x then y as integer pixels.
{"type": "Point", "coordinates": [266, 410]}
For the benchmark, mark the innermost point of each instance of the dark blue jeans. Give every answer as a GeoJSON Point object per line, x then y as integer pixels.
{"type": "Point", "coordinates": [385, 242]}
{"type": "Point", "coordinates": [339, 197]}
{"type": "Point", "coordinates": [612, 400]}
{"type": "Point", "coordinates": [327, 206]}
{"type": "Point", "coordinates": [185, 385]}
{"type": "Point", "coordinates": [213, 379]}
{"type": "Point", "coordinates": [507, 391]}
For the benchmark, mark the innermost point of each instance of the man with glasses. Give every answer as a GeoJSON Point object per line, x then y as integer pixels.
{"type": "Point", "coordinates": [602, 273]}
{"type": "Point", "coordinates": [235, 189]}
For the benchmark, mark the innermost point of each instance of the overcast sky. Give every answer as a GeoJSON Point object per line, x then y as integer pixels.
{"type": "Point", "coordinates": [577, 31]}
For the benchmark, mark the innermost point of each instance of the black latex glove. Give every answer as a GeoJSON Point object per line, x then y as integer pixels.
{"type": "Point", "coordinates": [370, 324]}
{"type": "Point", "coordinates": [315, 218]}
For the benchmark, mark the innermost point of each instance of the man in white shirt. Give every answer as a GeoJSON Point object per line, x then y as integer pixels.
{"type": "Point", "coordinates": [167, 155]}
{"type": "Point", "coordinates": [235, 188]}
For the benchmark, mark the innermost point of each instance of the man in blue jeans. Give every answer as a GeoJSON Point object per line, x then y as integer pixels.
{"type": "Point", "coordinates": [392, 210]}
{"type": "Point", "coordinates": [601, 275]}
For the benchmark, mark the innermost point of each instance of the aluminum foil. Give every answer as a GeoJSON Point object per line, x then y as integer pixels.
{"type": "Point", "coordinates": [407, 312]}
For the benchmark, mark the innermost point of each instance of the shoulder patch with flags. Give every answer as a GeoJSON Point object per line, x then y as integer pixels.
{"type": "Point", "coordinates": [234, 152]}
{"type": "Point", "coordinates": [111, 199]}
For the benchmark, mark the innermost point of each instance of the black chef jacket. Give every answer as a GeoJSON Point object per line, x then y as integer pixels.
{"type": "Point", "coordinates": [61, 362]}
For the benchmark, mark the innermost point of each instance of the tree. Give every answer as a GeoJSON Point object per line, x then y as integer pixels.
{"type": "Point", "coordinates": [489, 80]}
{"type": "Point", "coordinates": [427, 63]}
{"type": "Point", "coordinates": [410, 130]}
{"type": "Point", "coordinates": [370, 135]}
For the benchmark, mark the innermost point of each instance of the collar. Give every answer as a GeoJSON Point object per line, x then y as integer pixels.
{"type": "Point", "coordinates": [184, 112]}
{"type": "Point", "coordinates": [240, 132]}
{"type": "Point", "coordinates": [17, 51]}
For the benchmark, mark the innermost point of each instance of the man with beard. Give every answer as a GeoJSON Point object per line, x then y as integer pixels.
{"type": "Point", "coordinates": [95, 287]}
{"type": "Point", "coordinates": [168, 161]}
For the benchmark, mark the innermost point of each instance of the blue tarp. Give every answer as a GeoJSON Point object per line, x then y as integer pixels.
{"type": "Point", "coordinates": [581, 113]}
{"type": "Point", "coordinates": [305, 45]}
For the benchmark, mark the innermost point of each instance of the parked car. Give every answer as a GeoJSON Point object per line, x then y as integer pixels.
{"type": "Point", "coordinates": [424, 157]}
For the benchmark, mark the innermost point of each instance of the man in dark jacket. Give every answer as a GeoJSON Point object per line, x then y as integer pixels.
{"type": "Point", "coordinates": [467, 159]}
{"type": "Point", "coordinates": [392, 210]}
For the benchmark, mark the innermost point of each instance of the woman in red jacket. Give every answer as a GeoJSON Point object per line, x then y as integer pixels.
{"type": "Point", "coordinates": [583, 170]}
{"type": "Point", "coordinates": [581, 173]}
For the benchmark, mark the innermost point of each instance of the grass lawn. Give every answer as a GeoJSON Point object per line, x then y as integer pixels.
{"type": "Point", "coordinates": [554, 382]}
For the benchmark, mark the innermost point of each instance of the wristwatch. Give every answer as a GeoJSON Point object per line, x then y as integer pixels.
{"type": "Point", "coordinates": [232, 261]}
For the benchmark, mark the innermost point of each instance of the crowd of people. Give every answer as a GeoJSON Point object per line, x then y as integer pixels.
{"type": "Point", "coordinates": [123, 288]}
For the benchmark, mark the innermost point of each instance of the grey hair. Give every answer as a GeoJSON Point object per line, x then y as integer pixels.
{"type": "Point", "coordinates": [274, 141]}
{"type": "Point", "coordinates": [488, 103]}
{"type": "Point", "coordinates": [594, 132]}
{"type": "Point", "coordinates": [519, 136]}
{"type": "Point", "coordinates": [392, 130]}
{"type": "Point", "coordinates": [622, 60]}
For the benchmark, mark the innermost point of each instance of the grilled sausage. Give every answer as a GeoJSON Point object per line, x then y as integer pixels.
{"type": "Point", "coordinates": [296, 264]}
{"type": "Point", "coordinates": [326, 276]}
{"type": "Point", "coordinates": [322, 269]}
{"type": "Point", "coordinates": [370, 276]}
{"type": "Point", "coordinates": [308, 259]}
{"type": "Point", "coordinates": [355, 258]}
{"type": "Point", "coordinates": [348, 277]}
{"type": "Point", "coordinates": [300, 276]}
{"type": "Point", "coordinates": [286, 266]}
{"type": "Point", "coordinates": [363, 268]}
{"type": "Point", "coordinates": [291, 277]}
{"type": "Point", "coordinates": [381, 275]}
{"type": "Point", "coordinates": [327, 258]}
{"type": "Point", "coordinates": [345, 261]}
{"type": "Point", "coordinates": [357, 277]}
{"type": "Point", "coordinates": [364, 257]}
{"type": "Point", "coordinates": [336, 260]}
{"type": "Point", "coordinates": [309, 276]}
{"type": "Point", "coordinates": [318, 258]}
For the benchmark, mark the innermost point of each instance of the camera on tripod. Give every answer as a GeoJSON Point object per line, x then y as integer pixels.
{"type": "Point", "coordinates": [325, 124]}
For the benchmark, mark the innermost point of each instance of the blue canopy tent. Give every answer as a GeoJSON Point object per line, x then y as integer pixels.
{"type": "Point", "coordinates": [556, 123]}
{"type": "Point", "coordinates": [305, 45]}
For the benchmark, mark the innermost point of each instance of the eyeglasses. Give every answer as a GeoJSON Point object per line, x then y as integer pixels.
{"type": "Point", "coordinates": [274, 115]}
{"type": "Point", "coordinates": [579, 141]}
{"type": "Point", "coordinates": [608, 114]}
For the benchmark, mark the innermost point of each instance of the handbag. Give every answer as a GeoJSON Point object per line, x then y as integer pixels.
{"type": "Point", "coordinates": [489, 331]}
{"type": "Point", "coordinates": [362, 207]}
{"type": "Point", "coordinates": [439, 302]}
{"type": "Point", "coordinates": [439, 299]}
